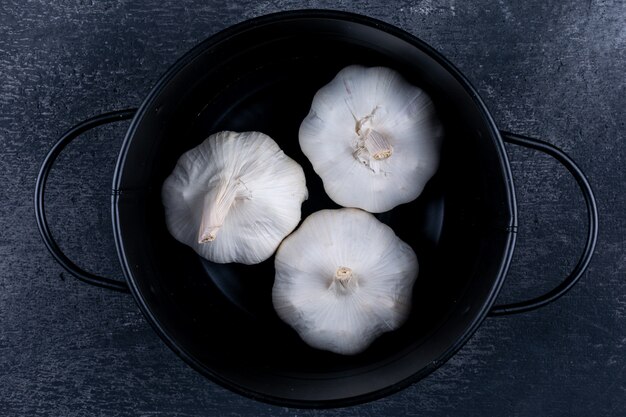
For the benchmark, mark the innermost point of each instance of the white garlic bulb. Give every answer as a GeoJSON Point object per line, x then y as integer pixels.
{"type": "Point", "coordinates": [372, 137]}
{"type": "Point", "coordinates": [234, 197]}
{"type": "Point", "coordinates": [342, 279]}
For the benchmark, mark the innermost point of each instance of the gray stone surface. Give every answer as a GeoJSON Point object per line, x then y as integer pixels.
{"type": "Point", "coordinates": [554, 70]}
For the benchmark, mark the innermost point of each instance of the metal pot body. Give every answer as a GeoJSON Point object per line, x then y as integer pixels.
{"type": "Point", "coordinates": [262, 75]}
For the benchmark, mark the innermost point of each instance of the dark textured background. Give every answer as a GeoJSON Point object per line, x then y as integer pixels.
{"type": "Point", "coordinates": [554, 70]}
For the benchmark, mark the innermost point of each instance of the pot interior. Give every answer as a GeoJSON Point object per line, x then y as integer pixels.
{"type": "Point", "coordinates": [262, 76]}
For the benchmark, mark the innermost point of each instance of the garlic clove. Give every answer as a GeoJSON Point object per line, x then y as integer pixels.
{"type": "Point", "coordinates": [342, 279]}
{"type": "Point", "coordinates": [234, 197]}
{"type": "Point", "coordinates": [372, 137]}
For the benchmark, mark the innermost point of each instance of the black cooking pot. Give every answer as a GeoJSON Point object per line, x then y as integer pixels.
{"type": "Point", "coordinates": [262, 75]}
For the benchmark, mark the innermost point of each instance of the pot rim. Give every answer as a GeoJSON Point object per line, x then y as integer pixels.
{"type": "Point", "coordinates": [234, 30]}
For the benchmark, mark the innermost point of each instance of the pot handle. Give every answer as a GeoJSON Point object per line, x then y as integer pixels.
{"type": "Point", "coordinates": [592, 230]}
{"type": "Point", "coordinates": [40, 187]}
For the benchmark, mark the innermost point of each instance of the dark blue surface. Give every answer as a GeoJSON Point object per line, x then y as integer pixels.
{"type": "Point", "coordinates": [551, 70]}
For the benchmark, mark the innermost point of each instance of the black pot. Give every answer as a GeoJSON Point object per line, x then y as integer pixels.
{"type": "Point", "coordinates": [262, 75]}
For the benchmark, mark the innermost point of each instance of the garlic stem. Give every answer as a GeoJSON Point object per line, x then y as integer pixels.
{"type": "Point", "coordinates": [216, 206]}
{"type": "Point", "coordinates": [343, 274]}
{"type": "Point", "coordinates": [372, 145]}
{"type": "Point", "coordinates": [377, 145]}
{"type": "Point", "coordinates": [343, 281]}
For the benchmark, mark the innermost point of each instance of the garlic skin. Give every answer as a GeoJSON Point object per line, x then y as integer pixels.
{"type": "Point", "coordinates": [372, 137]}
{"type": "Point", "coordinates": [234, 197]}
{"type": "Point", "coordinates": [342, 279]}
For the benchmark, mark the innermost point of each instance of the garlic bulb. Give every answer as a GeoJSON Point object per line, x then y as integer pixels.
{"type": "Point", "coordinates": [342, 279]}
{"type": "Point", "coordinates": [372, 137]}
{"type": "Point", "coordinates": [234, 197]}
